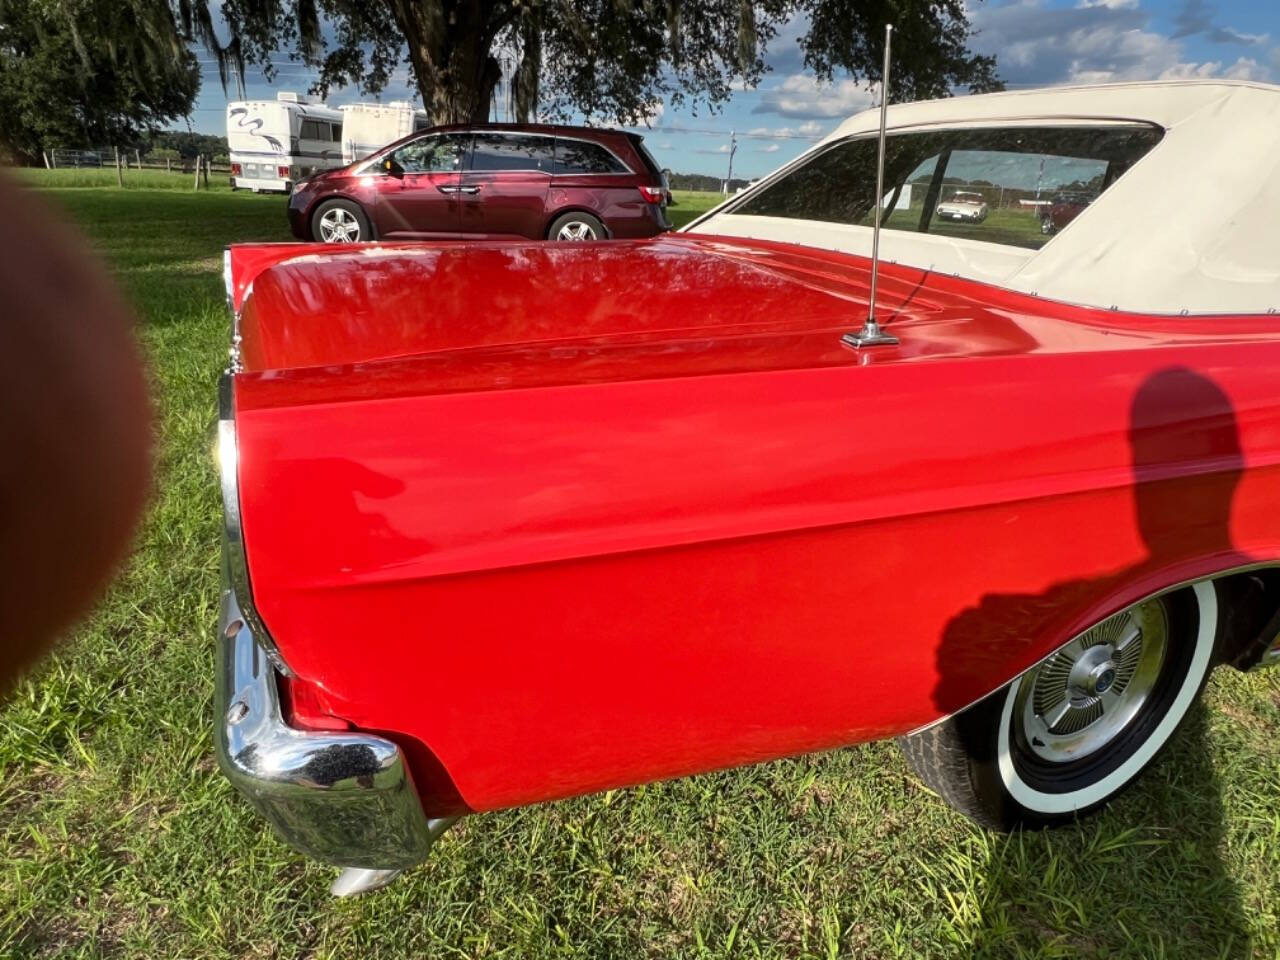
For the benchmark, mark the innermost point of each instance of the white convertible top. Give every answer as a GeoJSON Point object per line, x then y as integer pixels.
{"type": "Point", "coordinates": [1194, 226]}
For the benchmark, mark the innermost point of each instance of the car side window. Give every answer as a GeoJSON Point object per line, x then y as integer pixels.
{"type": "Point", "coordinates": [442, 153]}
{"type": "Point", "coordinates": [1009, 185]}
{"type": "Point", "coordinates": [509, 151]}
{"type": "Point", "coordinates": [583, 156]}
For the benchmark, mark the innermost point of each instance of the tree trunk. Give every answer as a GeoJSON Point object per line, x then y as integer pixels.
{"type": "Point", "coordinates": [525, 81]}
{"type": "Point", "coordinates": [449, 44]}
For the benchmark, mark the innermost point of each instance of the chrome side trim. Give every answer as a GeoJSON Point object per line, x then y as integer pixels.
{"type": "Point", "coordinates": [343, 798]}
{"type": "Point", "coordinates": [1273, 651]}
{"type": "Point", "coordinates": [233, 541]}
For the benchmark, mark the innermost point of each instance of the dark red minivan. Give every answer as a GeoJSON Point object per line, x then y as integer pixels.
{"type": "Point", "coordinates": [490, 181]}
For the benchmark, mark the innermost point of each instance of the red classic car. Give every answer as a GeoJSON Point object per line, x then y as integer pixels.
{"type": "Point", "coordinates": [512, 522]}
{"type": "Point", "coordinates": [489, 181]}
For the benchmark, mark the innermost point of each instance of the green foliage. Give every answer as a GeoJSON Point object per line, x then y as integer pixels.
{"type": "Point", "coordinates": [184, 143]}
{"type": "Point", "coordinates": [76, 73]}
{"type": "Point", "coordinates": [610, 60]}
{"type": "Point", "coordinates": [120, 838]}
{"type": "Point", "coordinates": [702, 181]}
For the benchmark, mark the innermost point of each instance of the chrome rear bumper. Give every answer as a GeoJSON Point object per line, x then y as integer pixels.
{"type": "Point", "coordinates": [343, 798]}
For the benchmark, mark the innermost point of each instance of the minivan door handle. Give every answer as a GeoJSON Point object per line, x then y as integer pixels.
{"type": "Point", "coordinates": [468, 189]}
{"type": "Point", "coordinates": [447, 189]}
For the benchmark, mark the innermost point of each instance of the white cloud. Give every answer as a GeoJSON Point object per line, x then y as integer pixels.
{"type": "Point", "coordinates": [801, 95]}
{"type": "Point", "coordinates": [653, 116]}
{"type": "Point", "coordinates": [1245, 68]}
{"type": "Point", "coordinates": [771, 148]}
{"type": "Point", "coordinates": [1097, 41]}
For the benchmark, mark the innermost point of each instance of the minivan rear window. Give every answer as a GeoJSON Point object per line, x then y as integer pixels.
{"type": "Point", "coordinates": [582, 156]}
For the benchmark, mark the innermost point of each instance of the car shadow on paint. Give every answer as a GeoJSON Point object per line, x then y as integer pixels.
{"type": "Point", "coordinates": [1145, 876]}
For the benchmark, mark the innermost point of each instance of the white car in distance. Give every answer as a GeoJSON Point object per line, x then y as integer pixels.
{"type": "Point", "coordinates": [963, 205]}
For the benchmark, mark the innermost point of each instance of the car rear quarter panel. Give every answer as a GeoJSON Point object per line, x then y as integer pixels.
{"type": "Point", "coordinates": [615, 200]}
{"type": "Point", "coordinates": [566, 588]}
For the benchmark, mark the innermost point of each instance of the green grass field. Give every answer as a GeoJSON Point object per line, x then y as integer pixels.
{"type": "Point", "coordinates": [119, 838]}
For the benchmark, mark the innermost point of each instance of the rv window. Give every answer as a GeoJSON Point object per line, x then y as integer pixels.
{"type": "Point", "coordinates": [310, 130]}
{"type": "Point", "coordinates": [504, 151]}
{"type": "Point", "coordinates": [335, 132]}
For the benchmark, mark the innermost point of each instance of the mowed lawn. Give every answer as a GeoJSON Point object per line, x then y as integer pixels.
{"type": "Point", "coordinates": [119, 838]}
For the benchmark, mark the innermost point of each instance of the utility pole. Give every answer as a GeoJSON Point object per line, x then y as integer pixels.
{"type": "Point", "coordinates": [733, 148]}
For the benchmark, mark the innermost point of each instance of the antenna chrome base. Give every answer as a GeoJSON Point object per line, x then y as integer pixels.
{"type": "Point", "coordinates": [871, 335]}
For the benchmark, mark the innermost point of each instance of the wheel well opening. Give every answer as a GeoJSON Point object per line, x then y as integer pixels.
{"type": "Point", "coordinates": [319, 204]}
{"type": "Point", "coordinates": [551, 220]}
{"type": "Point", "coordinates": [1250, 615]}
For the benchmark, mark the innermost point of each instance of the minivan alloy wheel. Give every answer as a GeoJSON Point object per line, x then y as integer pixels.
{"type": "Point", "coordinates": [339, 226]}
{"type": "Point", "coordinates": [576, 231]}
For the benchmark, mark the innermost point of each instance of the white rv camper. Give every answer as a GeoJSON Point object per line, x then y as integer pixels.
{"type": "Point", "coordinates": [367, 127]}
{"type": "Point", "coordinates": [276, 142]}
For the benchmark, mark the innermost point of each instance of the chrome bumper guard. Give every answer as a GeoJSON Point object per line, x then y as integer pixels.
{"type": "Point", "coordinates": [343, 798]}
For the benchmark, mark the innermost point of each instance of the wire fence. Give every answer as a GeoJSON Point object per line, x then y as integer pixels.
{"type": "Point", "coordinates": [126, 159]}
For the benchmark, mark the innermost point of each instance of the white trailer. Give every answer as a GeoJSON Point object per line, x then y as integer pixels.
{"type": "Point", "coordinates": [274, 143]}
{"type": "Point", "coordinates": [367, 127]}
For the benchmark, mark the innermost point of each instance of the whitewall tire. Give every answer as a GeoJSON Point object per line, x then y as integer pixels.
{"type": "Point", "coordinates": [1073, 732]}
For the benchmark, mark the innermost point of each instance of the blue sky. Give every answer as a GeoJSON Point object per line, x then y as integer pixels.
{"type": "Point", "coordinates": [1036, 43]}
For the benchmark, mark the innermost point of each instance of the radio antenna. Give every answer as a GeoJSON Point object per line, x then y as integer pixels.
{"type": "Point", "coordinates": [871, 335]}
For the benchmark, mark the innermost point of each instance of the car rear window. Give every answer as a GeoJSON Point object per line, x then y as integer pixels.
{"type": "Point", "coordinates": [1010, 185]}
{"type": "Point", "coordinates": [583, 156]}
{"type": "Point", "coordinates": [512, 151]}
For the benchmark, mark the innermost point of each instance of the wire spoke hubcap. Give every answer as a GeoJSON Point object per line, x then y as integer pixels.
{"type": "Point", "coordinates": [1082, 697]}
{"type": "Point", "coordinates": [339, 226]}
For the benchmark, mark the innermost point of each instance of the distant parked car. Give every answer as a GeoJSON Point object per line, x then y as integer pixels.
{"type": "Point", "coordinates": [1062, 210]}
{"type": "Point", "coordinates": [965, 206]}
{"type": "Point", "coordinates": [490, 181]}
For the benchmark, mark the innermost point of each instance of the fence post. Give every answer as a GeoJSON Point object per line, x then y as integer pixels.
{"type": "Point", "coordinates": [46, 160]}
{"type": "Point", "coordinates": [137, 155]}
{"type": "Point", "coordinates": [119, 172]}
{"type": "Point", "coordinates": [196, 185]}
{"type": "Point", "coordinates": [207, 161]}
{"type": "Point", "coordinates": [167, 167]}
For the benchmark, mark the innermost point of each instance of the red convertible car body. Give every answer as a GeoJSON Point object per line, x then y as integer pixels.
{"type": "Point", "coordinates": [513, 522]}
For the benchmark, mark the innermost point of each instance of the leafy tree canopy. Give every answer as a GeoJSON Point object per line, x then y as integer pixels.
{"type": "Point", "coordinates": [611, 60]}
{"type": "Point", "coordinates": [80, 73]}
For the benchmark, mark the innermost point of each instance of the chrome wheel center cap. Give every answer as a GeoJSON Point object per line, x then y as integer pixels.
{"type": "Point", "coordinates": [1094, 672]}
{"type": "Point", "coordinates": [1079, 699]}
{"type": "Point", "coordinates": [1101, 679]}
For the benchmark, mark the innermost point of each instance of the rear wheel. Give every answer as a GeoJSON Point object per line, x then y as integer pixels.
{"type": "Point", "coordinates": [576, 227]}
{"type": "Point", "coordinates": [340, 221]}
{"type": "Point", "coordinates": [1073, 732]}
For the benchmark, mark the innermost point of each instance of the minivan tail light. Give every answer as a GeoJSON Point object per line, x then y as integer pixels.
{"type": "Point", "coordinates": [282, 172]}
{"type": "Point", "coordinates": [236, 170]}
{"type": "Point", "coordinates": [653, 194]}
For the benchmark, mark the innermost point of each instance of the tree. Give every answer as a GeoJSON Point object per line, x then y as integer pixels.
{"type": "Point", "coordinates": [89, 72]}
{"type": "Point", "coordinates": [614, 60]}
